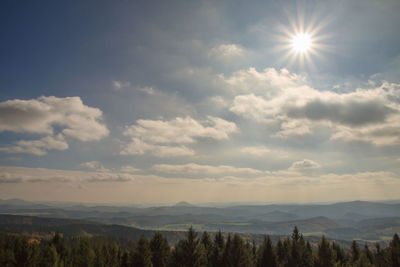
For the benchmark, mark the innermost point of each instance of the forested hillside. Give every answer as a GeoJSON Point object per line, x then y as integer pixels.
{"type": "Point", "coordinates": [193, 250]}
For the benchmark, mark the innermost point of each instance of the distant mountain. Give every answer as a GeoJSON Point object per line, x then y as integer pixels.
{"type": "Point", "coordinates": [68, 227]}
{"type": "Point", "coordinates": [183, 204]}
{"type": "Point", "coordinates": [15, 224]}
{"type": "Point", "coordinates": [346, 220]}
{"type": "Point", "coordinates": [278, 216]}
{"type": "Point", "coordinates": [14, 202]}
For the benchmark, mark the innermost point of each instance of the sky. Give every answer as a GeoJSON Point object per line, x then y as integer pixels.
{"type": "Point", "coordinates": [199, 101]}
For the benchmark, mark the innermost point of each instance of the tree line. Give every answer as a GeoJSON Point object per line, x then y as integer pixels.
{"type": "Point", "coordinates": [192, 251]}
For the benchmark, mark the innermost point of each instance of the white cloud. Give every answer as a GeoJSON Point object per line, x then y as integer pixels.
{"type": "Point", "coordinates": [38, 147]}
{"type": "Point", "coordinates": [41, 115]}
{"type": "Point", "coordinates": [117, 85]}
{"type": "Point", "coordinates": [94, 165]}
{"type": "Point", "coordinates": [109, 177]}
{"type": "Point", "coordinates": [193, 168]}
{"type": "Point", "coordinates": [369, 115]}
{"type": "Point", "coordinates": [138, 147]}
{"type": "Point", "coordinates": [148, 90]}
{"type": "Point", "coordinates": [226, 51]}
{"type": "Point", "coordinates": [304, 165]}
{"type": "Point", "coordinates": [10, 178]}
{"type": "Point", "coordinates": [181, 130]}
{"type": "Point", "coordinates": [274, 186]}
{"type": "Point", "coordinates": [251, 106]}
{"type": "Point", "coordinates": [219, 101]}
{"type": "Point", "coordinates": [41, 175]}
{"type": "Point", "coordinates": [266, 82]}
{"type": "Point", "coordinates": [46, 114]}
{"type": "Point", "coordinates": [129, 169]}
{"type": "Point", "coordinates": [166, 138]}
{"type": "Point", "coordinates": [262, 151]}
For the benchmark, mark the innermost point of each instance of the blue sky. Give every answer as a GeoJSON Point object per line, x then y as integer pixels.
{"type": "Point", "coordinates": [203, 101]}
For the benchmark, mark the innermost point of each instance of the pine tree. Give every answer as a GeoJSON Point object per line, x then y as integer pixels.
{"type": "Point", "coordinates": [217, 250]}
{"type": "Point", "coordinates": [307, 256]}
{"type": "Point", "coordinates": [266, 257]}
{"type": "Point", "coordinates": [208, 246]}
{"type": "Point", "coordinates": [125, 259]}
{"type": "Point", "coordinates": [160, 250]}
{"type": "Point", "coordinates": [142, 255]}
{"type": "Point", "coordinates": [49, 257]}
{"type": "Point", "coordinates": [354, 252]}
{"type": "Point", "coordinates": [324, 254]}
{"type": "Point", "coordinates": [395, 250]}
{"type": "Point", "coordinates": [190, 251]}
{"type": "Point", "coordinates": [83, 255]}
{"type": "Point", "coordinates": [295, 234]}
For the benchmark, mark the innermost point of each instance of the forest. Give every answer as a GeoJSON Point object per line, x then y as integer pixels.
{"type": "Point", "coordinates": [206, 249]}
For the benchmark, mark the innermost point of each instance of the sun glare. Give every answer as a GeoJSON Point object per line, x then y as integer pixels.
{"type": "Point", "coordinates": [301, 43]}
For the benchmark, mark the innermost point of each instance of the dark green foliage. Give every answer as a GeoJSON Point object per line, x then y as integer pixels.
{"type": "Point", "coordinates": [142, 254]}
{"type": "Point", "coordinates": [324, 254]}
{"type": "Point", "coordinates": [395, 250]}
{"type": "Point", "coordinates": [355, 252]}
{"type": "Point", "coordinates": [208, 250]}
{"type": "Point", "coordinates": [160, 250]}
{"type": "Point", "coordinates": [266, 254]}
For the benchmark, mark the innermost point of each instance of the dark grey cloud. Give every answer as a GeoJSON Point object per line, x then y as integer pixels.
{"type": "Point", "coordinates": [6, 180]}
{"type": "Point", "coordinates": [352, 112]}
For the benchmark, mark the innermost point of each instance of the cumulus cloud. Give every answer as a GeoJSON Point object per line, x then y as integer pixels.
{"type": "Point", "coordinates": [365, 114]}
{"type": "Point", "coordinates": [109, 177]}
{"type": "Point", "coordinates": [10, 178]}
{"type": "Point", "coordinates": [193, 168]}
{"type": "Point", "coordinates": [94, 165]}
{"type": "Point", "coordinates": [274, 186]}
{"type": "Point", "coordinates": [46, 114]}
{"type": "Point", "coordinates": [129, 169]}
{"type": "Point", "coordinates": [304, 165]}
{"type": "Point", "coordinates": [43, 114]}
{"type": "Point", "coordinates": [148, 90]}
{"type": "Point", "coordinates": [10, 174]}
{"type": "Point", "coordinates": [38, 147]}
{"type": "Point", "coordinates": [267, 81]}
{"type": "Point", "coordinates": [262, 151]}
{"type": "Point", "coordinates": [166, 138]}
{"type": "Point", "coordinates": [139, 147]}
{"type": "Point", "coordinates": [117, 85]}
{"type": "Point", "coordinates": [226, 51]}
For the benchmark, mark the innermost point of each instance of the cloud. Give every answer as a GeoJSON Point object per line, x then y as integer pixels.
{"type": "Point", "coordinates": [251, 106]}
{"type": "Point", "coordinates": [267, 81]}
{"type": "Point", "coordinates": [38, 147]}
{"type": "Point", "coordinates": [180, 130]}
{"type": "Point", "coordinates": [46, 114]}
{"type": "Point", "coordinates": [43, 114]}
{"type": "Point", "coordinates": [117, 85]}
{"type": "Point", "coordinates": [148, 90]}
{"type": "Point", "coordinates": [365, 114]}
{"type": "Point", "coordinates": [139, 147]}
{"type": "Point", "coordinates": [41, 175]}
{"type": "Point", "coordinates": [274, 186]}
{"type": "Point", "coordinates": [94, 165]}
{"type": "Point", "coordinates": [129, 169]}
{"type": "Point", "coordinates": [193, 168]}
{"type": "Point", "coordinates": [167, 138]}
{"type": "Point", "coordinates": [49, 180]}
{"type": "Point", "coordinates": [262, 151]}
{"type": "Point", "coordinates": [304, 165]}
{"type": "Point", "coordinates": [9, 178]}
{"type": "Point", "coordinates": [109, 177]}
{"type": "Point", "coordinates": [219, 101]}
{"type": "Point", "coordinates": [226, 51]}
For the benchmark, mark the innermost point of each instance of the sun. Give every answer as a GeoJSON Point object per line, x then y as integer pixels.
{"type": "Point", "coordinates": [301, 42]}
